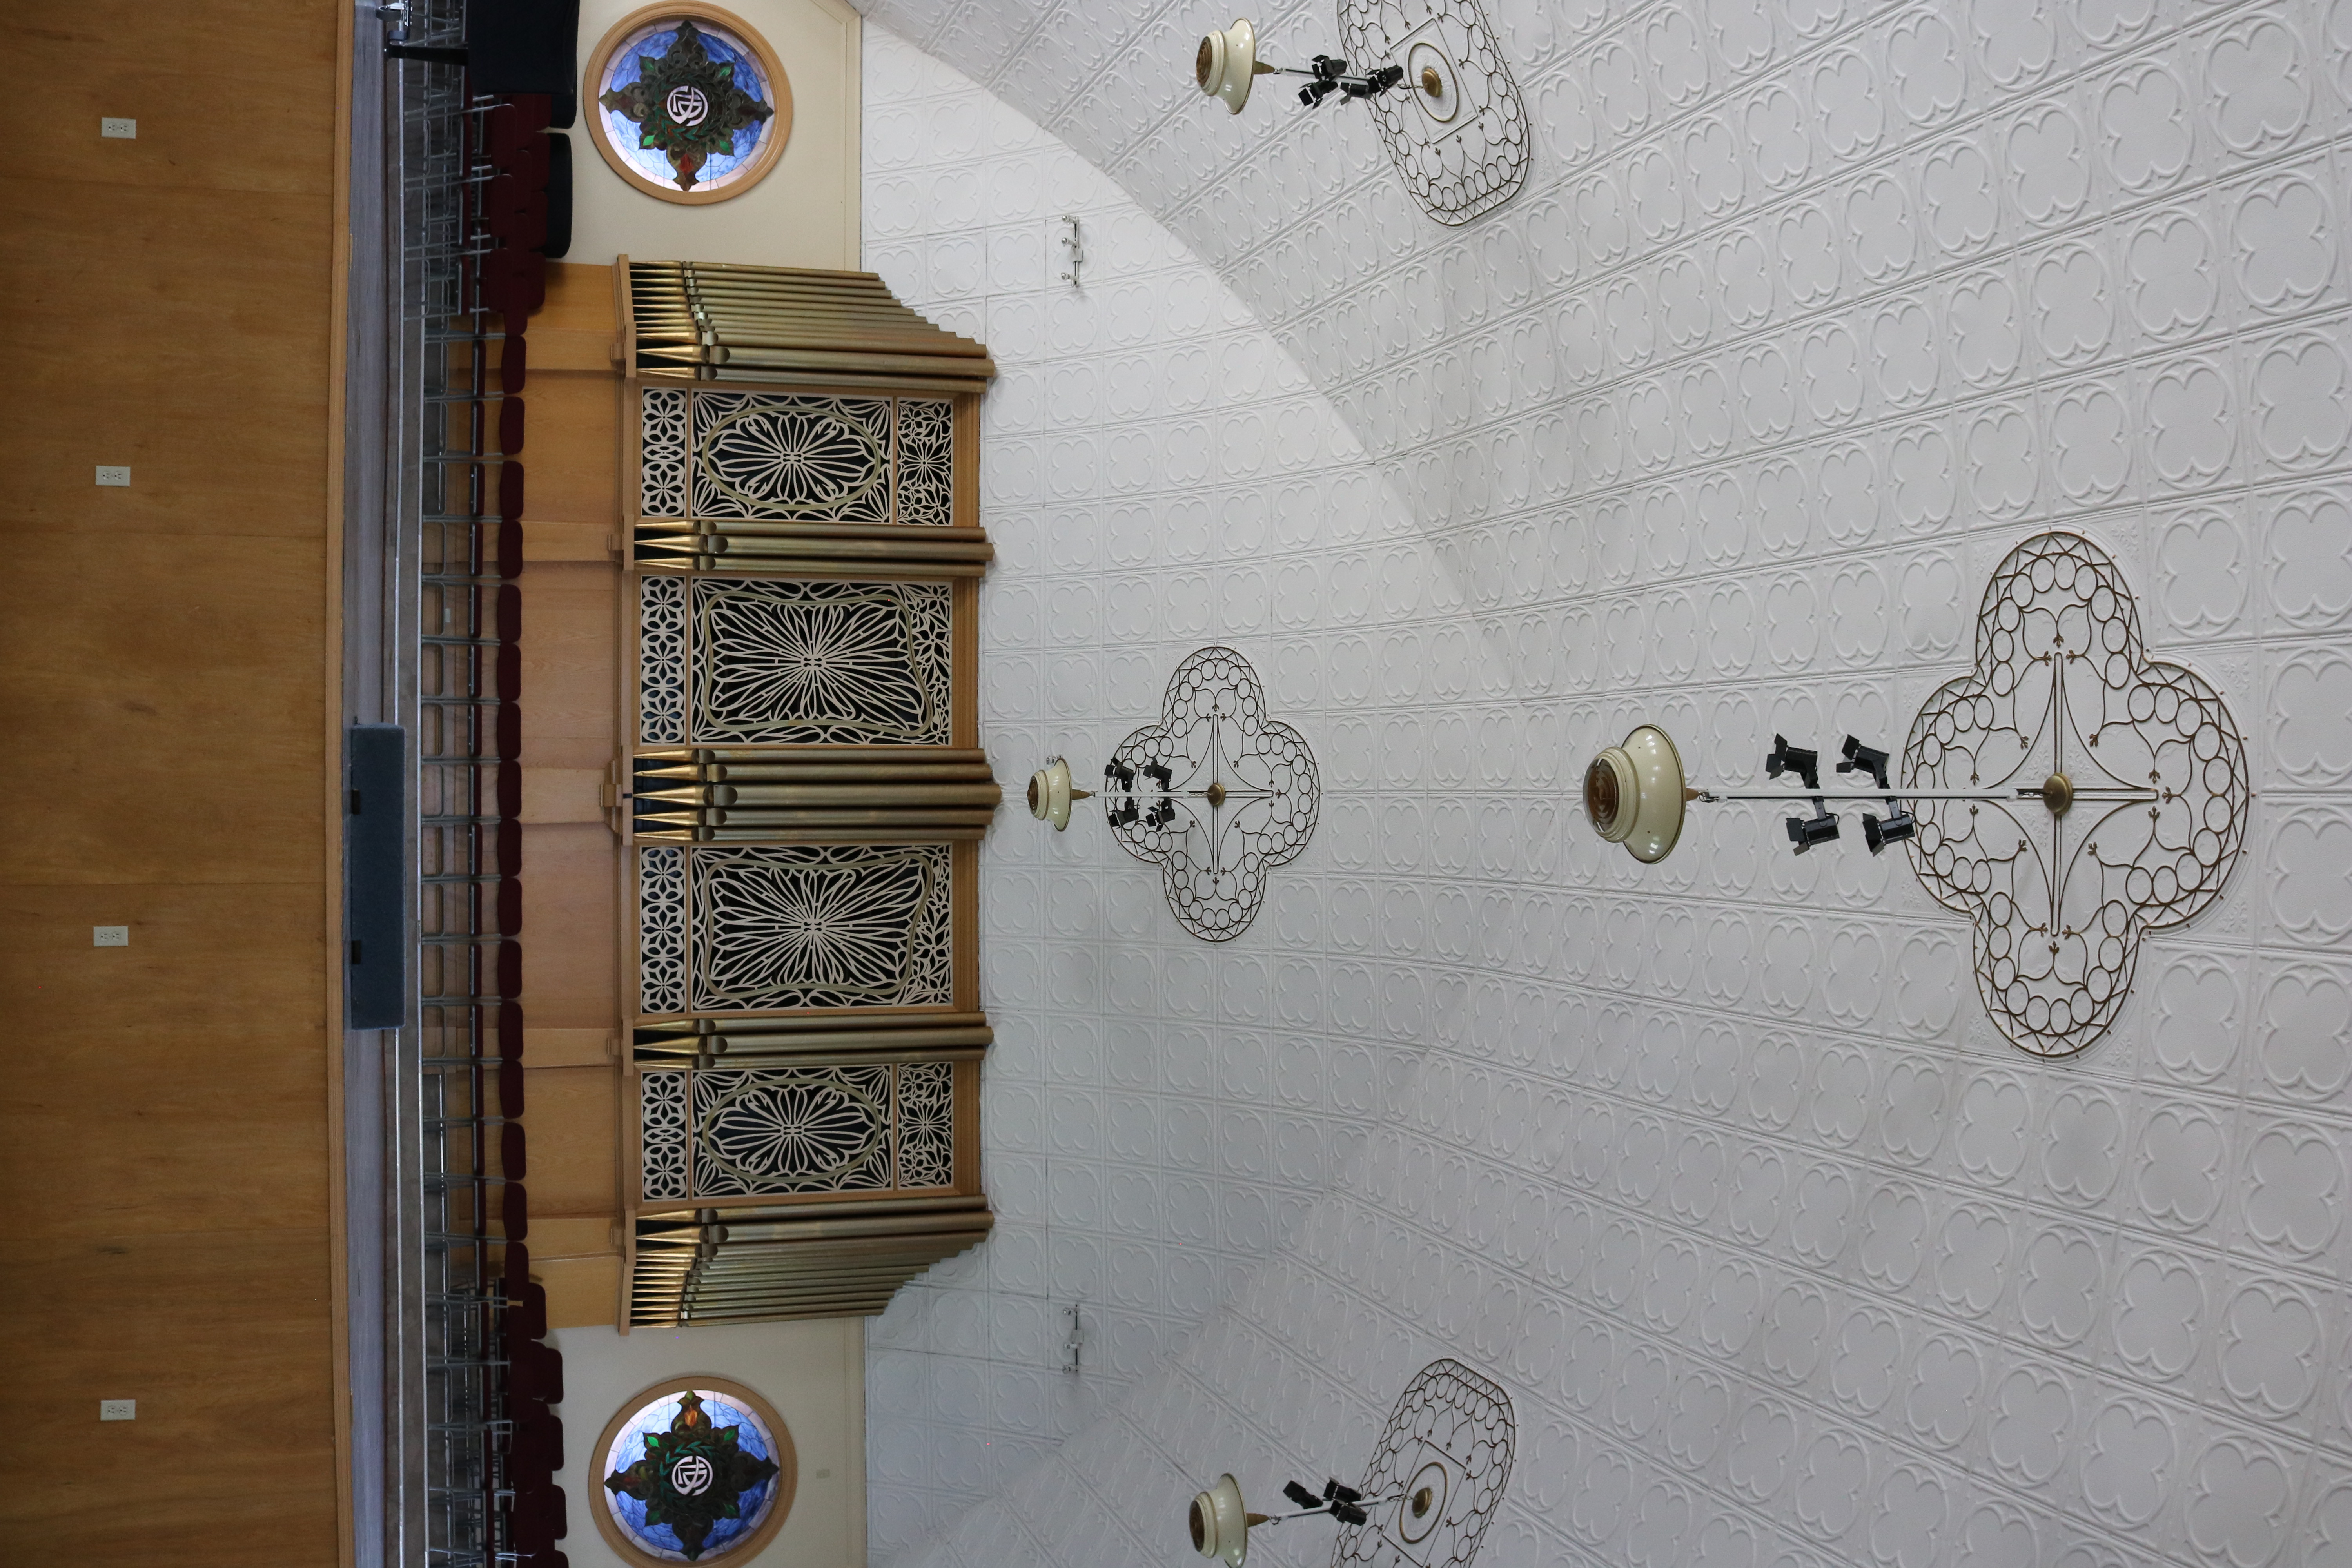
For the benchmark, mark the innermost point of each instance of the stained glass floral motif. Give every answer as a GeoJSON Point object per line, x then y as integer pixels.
{"type": "Point", "coordinates": [686, 105]}
{"type": "Point", "coordinates": [691, 1477]}
{"type": "Point", "coordinates": [793, 926]}
{"type": "Point", "coordinates": [816, 663]}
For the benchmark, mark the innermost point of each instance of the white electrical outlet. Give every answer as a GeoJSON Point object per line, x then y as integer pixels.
{"type": "Point", "coordinates": [113, 474]}
{"type": "Point", "coordinates": [118, 1410]}
{"type": "Point", "coordinates": [110, 936]}
{"type": "Point", "coordinates": [122, 130]}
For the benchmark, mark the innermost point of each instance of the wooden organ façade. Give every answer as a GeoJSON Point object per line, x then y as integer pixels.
{"type": "Point", "coordinates": [804, 792]}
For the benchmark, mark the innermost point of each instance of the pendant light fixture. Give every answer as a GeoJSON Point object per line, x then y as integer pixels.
{"type": "Point", "coordinates": [1227, 64]}
{"type": "Point", "coordinates": [1221, 1524]}
{"type": "Point", "coordinates": [1635, 793]}
{"type": "Point", "coordinates": [2070, 793]}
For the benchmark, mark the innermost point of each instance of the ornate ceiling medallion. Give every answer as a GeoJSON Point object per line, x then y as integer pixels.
{"type": "Point", "coordinates": [1216, 793]}
{"type": "Point", "coordinates": [1461, 143]}
{"type": "Point", "coordinates": [2069, 795]}
{"type": "Point", "coordinates": [690, 104]}
{"type": "Point", "coordinates": [693, 1470]}
{"type": "Point", "coordinates": [1446, 1453]}
{"type": "Point", "coordinates": [2134, 785]}
{"type": "Point", "coordinates": [1426, 1498]}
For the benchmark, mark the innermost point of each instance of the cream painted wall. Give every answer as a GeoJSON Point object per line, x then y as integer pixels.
{"type": "Point", "coordinates": [805, 214]}
{"type": "Point", "coordinates": [813, 1373]}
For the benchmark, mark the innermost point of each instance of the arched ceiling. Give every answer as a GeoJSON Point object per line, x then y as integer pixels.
{"type": "Point", "coordinates": [1806, 314]}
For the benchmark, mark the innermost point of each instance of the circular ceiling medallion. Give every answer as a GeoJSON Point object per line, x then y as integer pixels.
{"type": "Point", "coordinates": [693, 1470]}
{"type": "Point", "coordinates": [687, 103]}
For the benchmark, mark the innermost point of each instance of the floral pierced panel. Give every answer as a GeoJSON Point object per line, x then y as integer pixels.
{"type": "Point", "coordinates": [661, 660]}
{"type": "Point", "coordinates": [821, 663]}
{"type": "Point", "coordinates": [804, 925]}
{"type": "Point", "coordinates": [926, 1125]}
{"type": "Point", "coordinates": [661, 930]}
{"type": "Point", "coordinates": [803, 460]}
{"type": "Point", "coordinates": [926, 463]}
{"type": "Point", "coordinates": [662, 1101]}
{"type": "Point", "coordinates": [792, 1130]}
{"type": "Point", "coordinates": [661, 455]}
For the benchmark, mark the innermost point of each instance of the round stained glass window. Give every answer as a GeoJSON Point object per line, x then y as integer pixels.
{"type": "Point", "coordinates": [687, 103]}
{"type": "Point", "coordinates": [693, 1470]}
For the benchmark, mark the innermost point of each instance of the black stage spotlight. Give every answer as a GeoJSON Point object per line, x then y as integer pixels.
{"type": "Point", "coordinates": [1785, 758]}
{"type": "Point", "coordinates": [1899, 825]}
{"type": "Point", "coordinates": [1821, 828]}
{"type": "Point", "coordinates": [1864, 759]}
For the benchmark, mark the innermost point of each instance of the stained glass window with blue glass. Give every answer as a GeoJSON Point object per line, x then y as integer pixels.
{"type": "Point", "coordinates": [687, 104]}
{"type": "Point", "coordinates": [691, 1476]}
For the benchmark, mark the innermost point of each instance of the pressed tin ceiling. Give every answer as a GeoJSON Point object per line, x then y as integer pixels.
{"type": "Point", "coordinates": [1806, 314]}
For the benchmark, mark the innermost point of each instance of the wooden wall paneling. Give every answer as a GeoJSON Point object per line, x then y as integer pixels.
{"type": "Point", "coordinates": [198, 354]}
{"type": "Point", "coordinates": [573, 417]}
{"type": "Point", "coordinates": [967, 1127]}
{"type": "Point", "coordinates": [572, 863]}
{"type": "Point", "coordinates": [332, 965]}
{"type": "Point", "coordinates": [564, 794]}
{"type": "Point", "coordinates": [569, 652]}
{"type": "Point", "coordinates": [967, 460]}
{"type": "Point", "coordinates": [572, 971]}
{"type": "Point", "coordinates": [965, 912]}
{"type": "Point", "coordinates": [573, 1158]}
{"type": "Point", "coordinates": [571, 1236]}
{"type": "Point", "coordinates": [571, 1048]}
{"type": "Point", "coordinates": [162, 674]}
{"type": "Point", "coordinates": [220, 1333]}
{"type": "Point", "coordinates": [965, 732]}
{"type": "Point", "coordinates": [199, 1116]}
{"type": "Point", "coordinates": [580, 1291]}
{"type": "Point", "coordinates": [171, 304]}
{"type": "Point", "coordinates": [578, 321]}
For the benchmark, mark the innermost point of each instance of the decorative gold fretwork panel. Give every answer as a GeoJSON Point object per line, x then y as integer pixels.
{"type": "Point", "coordinates": [804, 793]}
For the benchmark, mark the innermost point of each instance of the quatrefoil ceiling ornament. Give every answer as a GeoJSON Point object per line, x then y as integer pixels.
{"type": "Point", "coordinates": [1443, 97]}
{"type": "Point", "coordinates": [1216, 793]}
{"type": "Point", "coordinates": [1462, 151]}
{"type": "Point", "coordinates": [2144, 788]}
{"type": "Point", "coordinates": [2069, 795]}
{"type": "Point", "coordinates": [1435, 1480]}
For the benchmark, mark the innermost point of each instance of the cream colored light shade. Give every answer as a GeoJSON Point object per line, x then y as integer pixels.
{"type": "Point", "coordinates": [1221, 1525]}
{"type": "Point", "coordinates": [1227, 64]}
{"type": "Point", "coordinates": [1634, 794]}
{"type": "Point", "coordinates": [1050, 793]}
